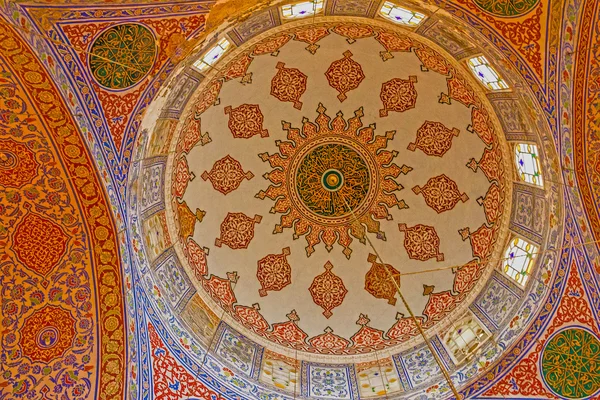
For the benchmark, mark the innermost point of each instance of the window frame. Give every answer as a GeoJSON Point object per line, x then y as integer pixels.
{"type": "Point", "coordinates": [292, 17]}
{"type": "Point", "coordinates": [202, 66]}
{"type": "Point", "coordinates": [500, 81]}
{"type": "Point", "coordinates": [504, 266]}
{"type": "Point", "coordinates": [387, 15]}
{"type": "Point", "coordinates": [538, 163]}
{"type": "Point", "coordinates": [462, 322]}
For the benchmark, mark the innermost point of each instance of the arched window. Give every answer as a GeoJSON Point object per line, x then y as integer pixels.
{"type": "Point", "coordinates": [281, 374]}
{"type": "Point", "coordinates": [213, 55]}
{"type": "Point", "coordinates": [304, 9]}
{"type": "Point", "coordinates": [401, 15]}
{"type": "Point", "coordinates": [483, 71]}
{"type": "Point", "coordinates": [378, 380]}
{"type": "Point", "coordinates": [528, 163]}
{"type": "Point", "coordinates": [518, 260]}
{"type": "Point", "coordinates": [464, 338]}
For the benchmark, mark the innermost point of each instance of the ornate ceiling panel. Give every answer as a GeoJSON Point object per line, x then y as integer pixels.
{"type": "Point", "coordinates": [244, 220]}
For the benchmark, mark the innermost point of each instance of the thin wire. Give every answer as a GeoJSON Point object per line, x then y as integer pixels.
{"type": "Point", "coordinates": [412, 315]}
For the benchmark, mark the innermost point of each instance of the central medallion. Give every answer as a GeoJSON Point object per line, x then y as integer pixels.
{"type": "Point", "coordinates": [332, 180]}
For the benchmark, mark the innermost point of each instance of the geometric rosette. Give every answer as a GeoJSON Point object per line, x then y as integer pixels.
{"type": "Point", "coordinates": [421, 242]}
{"type": "Point", "coordinates": [441, 193]}
{"type": "Point", "coordinates": [274, 272]}
{"type": "Point", "coordinates": [378, 282]}
{"type": "Point", "coordinates": [47, 334]}
{"type": "Point", "coordinates": [226, 175]}
{"type": "Point", "coordinates": [237, 230]}
{"type": "Point", "coordinates": [18, 165]}
{"type": "Point", "coordinates": [39, 243]}
{"type": "Point", "coordinates": [328, 290]}
{"type": "Point", "coordinates": [398, 95]}
{"type": "Point", "coordinates": [434, 139]}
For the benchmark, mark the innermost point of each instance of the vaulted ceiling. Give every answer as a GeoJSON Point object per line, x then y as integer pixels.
{"type": "Point", "coordinates": [255, 200]}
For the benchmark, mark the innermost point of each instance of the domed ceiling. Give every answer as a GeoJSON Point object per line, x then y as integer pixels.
{"type": "Point", "coordinates": [333, 200]}
{"type": "Point", "coordinates": [329, 149]}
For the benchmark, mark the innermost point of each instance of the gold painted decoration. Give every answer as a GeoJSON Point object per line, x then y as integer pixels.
{"type": "Point", "coordinates": [122, 56]}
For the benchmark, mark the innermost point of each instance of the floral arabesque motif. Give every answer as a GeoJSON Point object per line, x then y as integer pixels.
{"type": "Point", "coordinates": [226, 175]}
{"type": "Point", "coordinates": [328, 290]}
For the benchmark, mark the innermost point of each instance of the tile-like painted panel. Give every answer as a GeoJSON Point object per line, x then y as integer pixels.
{"type": "Point", "coordinates": [172, 280]}
{"type": "Point", "coordinates": [254, 25]}
{"type": "Point", "coordinates": [329, 381]}
{"type": "Point", "coordinates": [153, 177]}
{"type": "Point", "coordinates": [496, 301]}
{"type": "Point", "coordinates": [528, 212]}
{"type": "Point", "coordinates": [358, 8]}
{"type": "Point", "coordinates": [238, 351]}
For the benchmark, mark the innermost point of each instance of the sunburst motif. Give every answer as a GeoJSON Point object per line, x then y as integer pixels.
{"type": "Point", "coordinates": [333, 180]}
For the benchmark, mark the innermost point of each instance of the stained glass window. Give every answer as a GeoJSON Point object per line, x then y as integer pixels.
{"type": "Point", "coordinates": [528, 163]}
{"type": "Point", "coordinates": [486, 73]}
{"type": "Point", "coordinates": [465, 337]}
{"type": "Point", "coordinates": [378, 380]}
{"type": "Point", "coordinates": [401, 15]}
{"type": "Point", "coordinates": [212, 55]}
{"type": "Point", "coordinates": [279, 374]}
{"type": "Point", "coordinates": [518, 260]}
{"type": "Point", "coordinates": [303, 9]}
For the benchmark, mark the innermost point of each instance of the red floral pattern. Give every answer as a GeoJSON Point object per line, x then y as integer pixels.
{"type": "Point", "coordinates": [192, 135]}
{"type": "Point", "coordinates": [432, 60]}
{"type": "Point", "coordinates": [377, 280]}
{"type": "Point", "coordinates": [39, 243]}
{"type": "Point", "coordinates": [226, 175]}
{"type": "Point", "coordinates": [271, 45]}
{"type": "Point", "coordinates": [246, 121]}
{"type": "Point", "coordinates": [398, 95]}
{"type": "Point", "coordinates": [461, 91]}
{"type": "Point", "coordinates": [329, 340]}
{"type": "Point", "coordinates": [239, 69]}
{"type": "Point", "coordinates": [209, 97]}
{"type": "Point", "coordinates": [47, 334]}
{"type": "Point", "coordinates": [311, 35]}
{"type": "Point", "coordinates": [274, 272]}
{"type": "Point", "coordinates": [289, 84]}
{"type": "Point", "coordinates": [421, 242]}
{"type": "Point", "coordinates": [251, 317]}
{"type": "Point", "coordinates": [491, 203]}
{"type": "Point", "coordinates": [481, 125]}
{"type": "Point", "coordinates": [171, 380]}
{"type": "Point", "coordinates": [393, 42]}
{"type": "Point", "coordinates": [221, 290]}
{"type": "Point", "coordinates": [182, 177]}
{"type": "Point", "coordinates": [237, 230]}
{"type": "Point", "coordinates": [344, 75]}
{"type": "Point", "coordinates": [433, 138]}
{"type": "Point", "coordinates": [353, 32]}
{"type": "Point", "coordinates": [328, 290]}
{"type": "Point", "coordinates": [18, 165]}
{"type": "Point", "coordinates": [441, 193]}
{"type": "Point", "coordinates": [196, 256]}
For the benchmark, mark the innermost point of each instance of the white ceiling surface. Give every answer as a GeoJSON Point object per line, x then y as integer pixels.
{"type": "Point", "coordinates": [275, 306]}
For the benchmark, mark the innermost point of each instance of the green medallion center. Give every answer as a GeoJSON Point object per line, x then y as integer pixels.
{"type": "Point", "coordinates": [569, 364]}
{"type": "Point", "coordinates": [332, 180]}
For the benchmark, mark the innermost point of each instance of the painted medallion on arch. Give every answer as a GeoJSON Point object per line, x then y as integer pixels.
{"type": "Point", "coordinates": [507, 8]}
{"type": "Point", "coordinates": [122, 55]}
{"type": "Point", "coordinates": [571, 363]}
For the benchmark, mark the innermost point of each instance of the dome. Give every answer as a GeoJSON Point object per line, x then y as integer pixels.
{"type": "Point", "coordinates": [339, 192]}
{"type": "Point", "coordinates": [299, 199]}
